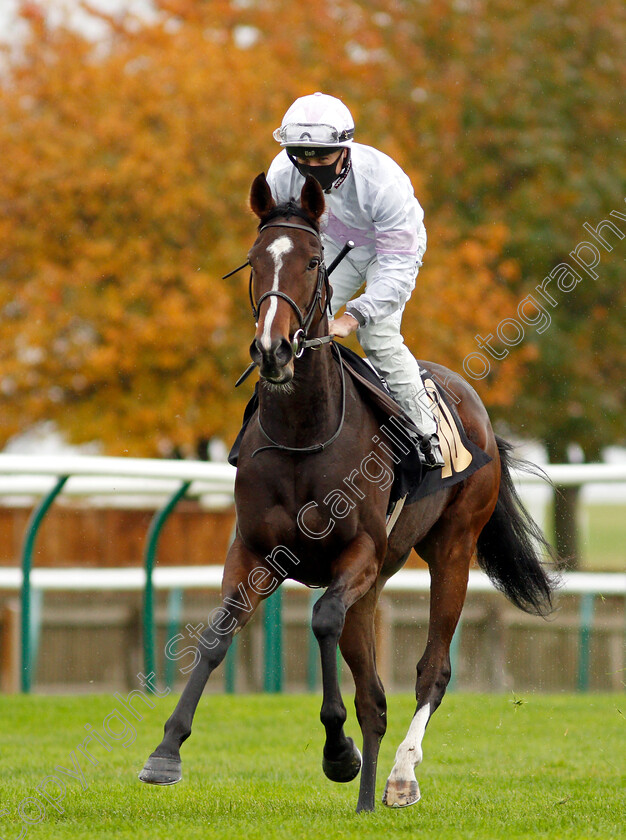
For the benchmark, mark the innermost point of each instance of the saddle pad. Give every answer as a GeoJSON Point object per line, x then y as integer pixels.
{"type": "Point", "coordinates": [412, 482]}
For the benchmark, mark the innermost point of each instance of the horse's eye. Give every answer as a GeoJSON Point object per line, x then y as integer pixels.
{"type": "Point", "coordinates": [314, 263]}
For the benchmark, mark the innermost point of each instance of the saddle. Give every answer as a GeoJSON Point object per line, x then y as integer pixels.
{"type": "Point", "coordinates": [399, 435]}
{"type": "Point", "coordinates": [411, 481]}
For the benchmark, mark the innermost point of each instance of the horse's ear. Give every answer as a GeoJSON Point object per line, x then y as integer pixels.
{"type": "Point", "coordinates": [312, 197]}
{"type": "Point", "coordinates": [261, 200]}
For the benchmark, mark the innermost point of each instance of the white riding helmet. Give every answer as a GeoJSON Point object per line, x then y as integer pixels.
{"type": "Point", "coordinates": [317, 120]}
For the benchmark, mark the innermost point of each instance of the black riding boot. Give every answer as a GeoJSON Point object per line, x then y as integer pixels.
{"type": "Point", "coordinates": [430, 452]}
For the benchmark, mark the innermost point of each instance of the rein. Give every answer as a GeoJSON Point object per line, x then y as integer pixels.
{"type": "Point", "coordinates": [316, 447]}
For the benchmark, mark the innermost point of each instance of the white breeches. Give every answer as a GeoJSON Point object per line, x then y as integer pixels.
{"type": "Point", "coordinates": [383, 343]}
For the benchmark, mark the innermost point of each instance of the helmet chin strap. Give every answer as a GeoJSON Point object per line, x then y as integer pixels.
{"type": "Point", "coordinates": [325, 172]}
{"type": "Point", "coordinates": [345, 169]}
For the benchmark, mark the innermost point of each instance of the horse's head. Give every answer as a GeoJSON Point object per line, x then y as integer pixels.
{"type": "Point", "coordinates": [288, 280]}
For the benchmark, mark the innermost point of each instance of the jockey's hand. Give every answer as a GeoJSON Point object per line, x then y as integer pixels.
{"type": "Point", "coordinates": [344, 326]}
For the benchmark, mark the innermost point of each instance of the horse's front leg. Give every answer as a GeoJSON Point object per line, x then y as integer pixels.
{"type": "Point", "coordinates": [354, 574]}
{"type": "Point", "coordinates": [358, 646]}
{"type": "Point", "coordinates": [247, 581]}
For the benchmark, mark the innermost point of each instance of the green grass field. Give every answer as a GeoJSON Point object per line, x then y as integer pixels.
{"type": "Point", "coordinates": [495, 767]}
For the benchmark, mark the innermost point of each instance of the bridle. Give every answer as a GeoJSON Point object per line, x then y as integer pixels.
{"type": "Point", "coordinates": [300, 342]}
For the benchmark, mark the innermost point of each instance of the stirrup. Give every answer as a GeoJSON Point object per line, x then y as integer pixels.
{"type": "Point", "coordinates": [430, 452]}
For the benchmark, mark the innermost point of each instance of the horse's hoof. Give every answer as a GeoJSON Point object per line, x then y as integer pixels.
{"type": "Point", "coordinates": [343, 769]}
{"type": "Point", "coordinates": [159, 770]}
{"type": "Point", "coordinates": [401, 794]}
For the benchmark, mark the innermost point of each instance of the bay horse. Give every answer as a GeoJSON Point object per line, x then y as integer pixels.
{"type": "Point", "coordinates": [311, 431]}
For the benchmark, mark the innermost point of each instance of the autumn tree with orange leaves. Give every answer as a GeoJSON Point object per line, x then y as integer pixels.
{"type": "Point", "coordinates": [123, 205]}
{"type": "Point", "coordinates": [127, 168]}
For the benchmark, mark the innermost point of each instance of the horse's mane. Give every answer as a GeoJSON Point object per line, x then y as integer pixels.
{"type": "Point", "coordinates": [287, 209]}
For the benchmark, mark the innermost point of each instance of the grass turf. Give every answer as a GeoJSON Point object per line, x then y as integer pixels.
{"type": "Point", "coordinates": [495, 767]}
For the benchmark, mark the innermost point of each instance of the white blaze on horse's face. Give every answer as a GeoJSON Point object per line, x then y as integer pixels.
{"type": "Point", "coordinates": [277, 249]}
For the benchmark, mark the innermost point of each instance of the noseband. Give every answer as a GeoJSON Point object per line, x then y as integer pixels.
{"type": "Point", "coordinates": [299, 342]}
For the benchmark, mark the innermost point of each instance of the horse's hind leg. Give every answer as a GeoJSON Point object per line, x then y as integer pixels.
{"type": "Point", "coordinates": [240, 599]}
{"type": "Point", "coordinates": [358, 646]}
{"type": "Point", "coordinates": [449, 573]}
{"type": "Point", "coordinates": [354, 574]}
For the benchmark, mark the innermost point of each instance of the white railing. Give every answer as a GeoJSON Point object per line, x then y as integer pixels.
{"type": "Point", "coordinates": [98, 475]}
{"type": "Point", "coordinates": [210, 577]}
{"type": "Point", "coordinates": [32, 475]}
{"type": "Point", "coordinates": [84, 476]}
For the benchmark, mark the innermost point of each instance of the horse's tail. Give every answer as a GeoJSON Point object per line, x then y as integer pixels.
{"type": "Point", "coordinates": [510, 544]}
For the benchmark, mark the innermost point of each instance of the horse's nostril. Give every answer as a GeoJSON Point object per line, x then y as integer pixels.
{"type": "Point", "coordinates": [256, 353]}
{"type": "Point", "coordinates": [275, 357]}
{"type": "Point", "coordinates": [283, 352]}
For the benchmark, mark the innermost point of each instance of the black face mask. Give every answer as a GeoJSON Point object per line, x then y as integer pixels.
{"type": "Point", "coordinates": [324, 175]}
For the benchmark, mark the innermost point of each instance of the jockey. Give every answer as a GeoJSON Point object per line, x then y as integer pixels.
{"type": "Point", "coordinates": [369, 200]}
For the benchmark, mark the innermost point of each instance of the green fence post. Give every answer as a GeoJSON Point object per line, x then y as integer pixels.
{"type": "Point", "coordinates": [273, 636]}
{"type": "Point", "coordinates": [584, 639]}
{"type": "Point", "coordinates": [230, 668]}
{"type": "Point", "coordinates": [27, 563]}
{"type": "Point", "coordinates": [152, 542]}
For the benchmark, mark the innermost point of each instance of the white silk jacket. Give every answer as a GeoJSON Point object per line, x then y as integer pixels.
{"type": "Point", "coordinates": [376, 208]}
